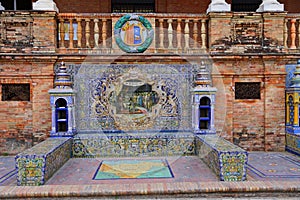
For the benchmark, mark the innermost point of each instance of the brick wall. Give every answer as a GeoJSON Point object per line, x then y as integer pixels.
{"type": "Point", "coordinates": [26, 32]}
{"type": "Point", "coordinates": [291, 6]}
{"type": "Point", "coordinates": [187, 6]}
{"type": "Point", "coordinates": [15, 117]}
{"type": "Point", "coordinates": [22, 121]}
{"type": "Point", "coordinates": [253, 124]}
{"type": "Point", "coordinates": [90, 6]}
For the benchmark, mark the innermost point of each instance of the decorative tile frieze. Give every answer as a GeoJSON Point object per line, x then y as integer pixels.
{"type": "Point", "coordinates": [135, 144]}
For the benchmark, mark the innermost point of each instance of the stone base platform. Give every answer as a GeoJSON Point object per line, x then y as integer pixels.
{"type": "Point", "coordinates": [262, 189]}
{"type": "Point", "coordinates": [192, 179]}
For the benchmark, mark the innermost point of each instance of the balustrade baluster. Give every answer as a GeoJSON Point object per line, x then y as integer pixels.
{"type": "Point", "coordinates": [178, 32]}
{"type": "Point", "coordinates": [104, 32]}
{"type": "Point", "coordinates": [79, 33]}
{"type": "Point", "coordinates": [195, 33]}
{"type": "Point", "coordinates": [161, 33]}
{"type": "Point", "coordinates": [285, 33]}
{"type": "Point", "coordinates": [293, 34]}
{"type": "Point", "coordinates": [187, 34]}
{"type": "Point", "coordinates": [96, 33]}
{"type": "Point", "coordinates": [203, 34]}
{"type": "Point", "coordinates": [170, 33]}
{"type": "Point", "coordinates": [71, 34]}
{"type": "Point", "coordinates": [62, 33]}
{"type": "Point", "coordinates": [87, 33]}
{"type": "Point", "coordinates": [298, 33]}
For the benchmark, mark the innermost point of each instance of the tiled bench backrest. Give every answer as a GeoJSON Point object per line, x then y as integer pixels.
{"type": "Point", "coordinates": [293, 143]}
{"type": "Point", "coordinates": [227, 160]}
{"type": "Point", "coordinates": [130, 145]}
{"type": "Point", "coordinates": [37, 164]}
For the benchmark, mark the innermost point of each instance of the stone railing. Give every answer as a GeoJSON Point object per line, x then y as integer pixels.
{"type": "Point", "coordinates": [176, 33]}
{"type": "Point", "coordinates": [292, 32]}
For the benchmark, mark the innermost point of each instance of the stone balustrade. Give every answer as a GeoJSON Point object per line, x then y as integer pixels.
{"type": "Point", "coordinates": [84, 33]}
{"type": "Point", "coordinates": [292, 32]}
{"type": "Point", "coordinates": [178, 33]}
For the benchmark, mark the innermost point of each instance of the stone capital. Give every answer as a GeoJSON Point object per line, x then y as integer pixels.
{"type": "Point", "coordinates": [218, 6]}
{"type": "Point", "coordinates": [45, 5]}
{"type": "Point", "coordinates": [270, 6]}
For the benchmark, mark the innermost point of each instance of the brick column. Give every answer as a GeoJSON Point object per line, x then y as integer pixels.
{"type": "Point", "coordinates": [44, 31]}
{"type": "Point", "coordinates": [274, 26]}
{"type": "Point", "coordinates": [219, 25]}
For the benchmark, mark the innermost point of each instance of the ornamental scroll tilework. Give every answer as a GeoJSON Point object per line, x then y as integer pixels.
{"type": "Point", "coordinates": [30, 170]}
{"type": "Point", "coordinates": [232, 166]}
{"type": "Point", "coordinates": [133, 97]}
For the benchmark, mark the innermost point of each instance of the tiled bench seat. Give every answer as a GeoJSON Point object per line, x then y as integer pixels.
{"type": "Point", "coordinates": [227, 160]}
{"type": "Point", "coordinates": [37, 164]}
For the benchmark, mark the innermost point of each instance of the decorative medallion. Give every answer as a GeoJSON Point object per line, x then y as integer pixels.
{"type": "Point", "coordinates": [133, 33]}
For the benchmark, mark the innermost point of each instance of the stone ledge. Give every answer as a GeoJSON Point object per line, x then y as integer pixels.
{"type": "Point", "coordinates": [147, 190]}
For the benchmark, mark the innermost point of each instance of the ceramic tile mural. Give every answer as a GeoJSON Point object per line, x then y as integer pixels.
{"type": "Point", "coordinates": [226, 159]}
{"type": "Point", "coordinates": [37, 164]}
{"type": "Point", "coordinates": [115, 145]}
{"type": "Point", "coordinates": [133, 97]}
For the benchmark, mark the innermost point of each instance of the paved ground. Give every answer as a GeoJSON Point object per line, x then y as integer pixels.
{"type": "Point", "coordinates": [269, 175]}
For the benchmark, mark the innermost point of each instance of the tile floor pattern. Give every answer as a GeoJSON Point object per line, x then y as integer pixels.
{"type": "Point", "coordinates": [81, 171]}
{"type": "Point", "coordinates": [278, 166]}
{"type": "Point", "coordinates": [273, 165]}
{"type": "Point", "coordinates": [124, 169]}
{"type": "Point", "coordinates": [7, 169]}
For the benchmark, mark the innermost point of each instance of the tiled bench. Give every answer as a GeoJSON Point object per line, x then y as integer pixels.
{"type": "Point", "coordinates": [37, 164]}
{"type": "Point", "coordinates": [226, 160]}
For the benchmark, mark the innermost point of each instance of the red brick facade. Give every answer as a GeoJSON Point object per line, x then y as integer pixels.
{"type": "Point", "coordinates": [252, 124]}
{"type": "Point", "coordinates": [21, 121]}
